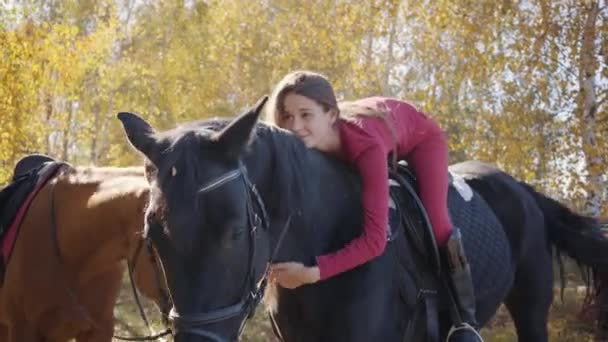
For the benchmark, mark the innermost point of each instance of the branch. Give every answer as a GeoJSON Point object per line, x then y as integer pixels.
{"type": "Point", "coordinates": [543, 53]}
{"type": "Point", "coordinates": [565, 68]}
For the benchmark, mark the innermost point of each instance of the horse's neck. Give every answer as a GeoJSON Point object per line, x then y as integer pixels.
{"type": "Point", "coordinates": [311, 205]}
{"type": "Point", "coordinates": [98, 222]}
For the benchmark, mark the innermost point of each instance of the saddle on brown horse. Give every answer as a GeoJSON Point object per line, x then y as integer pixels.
{"type": "Point", "coordinates": [29, 176]}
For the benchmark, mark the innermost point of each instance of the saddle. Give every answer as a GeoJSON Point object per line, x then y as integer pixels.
{"type": "Point", "coordinates": [30, 163]}
{"type": "Point", "coordinates": [419, 230]}
{"type": "Point", "coordinates": [408, 216]}
{"type": "Point", "coordinates": [29, 175]}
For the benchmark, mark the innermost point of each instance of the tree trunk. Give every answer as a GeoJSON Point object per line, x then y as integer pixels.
{"type": "Point", "coordinates": [95, 135]}
{"type": "Point", "coordinates": [588, 69]}
{"type": "Point", "coordinates": [390, 58]}
{"type": "Point", "coordinates": [66, 132]}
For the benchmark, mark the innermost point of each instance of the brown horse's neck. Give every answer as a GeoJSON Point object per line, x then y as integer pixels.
{"type": "Point", "coordinates": [99, 216]}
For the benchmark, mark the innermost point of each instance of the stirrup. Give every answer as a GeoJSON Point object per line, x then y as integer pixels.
{"type": "Point", "coordinates": [463, 326]}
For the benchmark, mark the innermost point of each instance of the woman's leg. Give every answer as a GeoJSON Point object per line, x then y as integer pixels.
{"type": "Point", "coordinates": [429, 161]}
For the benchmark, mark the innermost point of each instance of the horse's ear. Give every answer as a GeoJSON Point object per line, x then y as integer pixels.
{"type": "Point", "coordinates": [236, 136]}
{"type": "Point", "coordinates": [139, 133]}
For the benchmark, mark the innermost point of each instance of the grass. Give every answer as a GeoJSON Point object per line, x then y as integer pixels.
{"type": "Point", "coordinates": [564, 325]}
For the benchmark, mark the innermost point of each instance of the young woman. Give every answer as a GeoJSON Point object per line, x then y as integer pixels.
{"type": "Point", "coordinates": [365, 132]}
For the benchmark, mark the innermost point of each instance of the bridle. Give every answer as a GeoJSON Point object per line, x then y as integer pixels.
{"type": "Point", "coordinates": [195, 324]}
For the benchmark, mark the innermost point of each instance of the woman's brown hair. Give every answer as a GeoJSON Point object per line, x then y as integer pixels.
{"type": "Point", "coordinates": [310, 84]}
{"type": "Point", "coordinates": [317, 87]}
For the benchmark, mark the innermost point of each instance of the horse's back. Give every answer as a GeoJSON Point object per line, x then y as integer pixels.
{"type": "Point", "coordinates": [513, 205]}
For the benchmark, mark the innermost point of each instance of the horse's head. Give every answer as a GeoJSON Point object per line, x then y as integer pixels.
{"type": "Point", "coordinates": [204, 220]}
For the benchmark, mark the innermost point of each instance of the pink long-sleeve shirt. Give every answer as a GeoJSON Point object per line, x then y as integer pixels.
{"type": "Point", "coordinates": [366, 143]}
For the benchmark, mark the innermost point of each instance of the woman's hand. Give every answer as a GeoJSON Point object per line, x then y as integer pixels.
{"type": "Point", "coordinates": [293, 274]}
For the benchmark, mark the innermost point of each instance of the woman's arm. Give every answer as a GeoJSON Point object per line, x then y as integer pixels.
{"type": "Point", "coordinates": [373, 169]}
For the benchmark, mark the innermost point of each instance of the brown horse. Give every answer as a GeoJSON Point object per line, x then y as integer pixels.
{"type": "Point", "coordinates": [63, 279]}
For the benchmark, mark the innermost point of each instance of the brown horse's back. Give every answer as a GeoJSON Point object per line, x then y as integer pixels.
{"type": "Point", "coordinates": [68, 290]}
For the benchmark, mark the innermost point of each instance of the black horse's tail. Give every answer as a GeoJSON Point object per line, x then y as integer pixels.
{"type": "Point", "coordinates": [582, 239]}
{"type": "Point", "coordinates": [577, 235]}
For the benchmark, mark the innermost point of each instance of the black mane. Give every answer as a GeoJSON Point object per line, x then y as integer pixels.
{"type": "Point", "coordinates": [290, 167]}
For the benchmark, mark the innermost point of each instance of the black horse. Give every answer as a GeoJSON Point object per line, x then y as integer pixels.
{"type": "Point", "coordinates": [229, 197]}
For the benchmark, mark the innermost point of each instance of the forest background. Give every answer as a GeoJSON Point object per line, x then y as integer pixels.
{"type": "Point", "coordinates": [521, 84]}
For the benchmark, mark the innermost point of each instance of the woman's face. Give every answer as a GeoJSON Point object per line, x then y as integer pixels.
{"type": "Point", "coordinates": [309, 121]}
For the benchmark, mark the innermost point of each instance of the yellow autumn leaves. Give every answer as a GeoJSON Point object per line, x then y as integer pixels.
{"type": "Point", "coordinates": [502, 78]}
